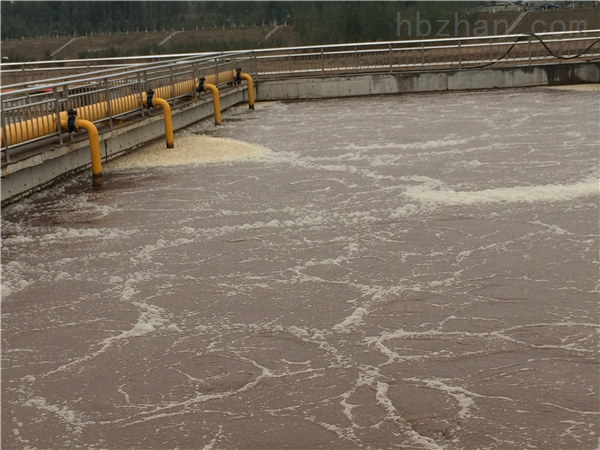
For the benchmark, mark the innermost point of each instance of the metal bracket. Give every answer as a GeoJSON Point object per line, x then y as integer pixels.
{"type": "Point", "coordinates": [149, 95]}
{"type": "Point", "coordinates": [201, 84]}
{"type": "Point", "coordinates": [72, 117]}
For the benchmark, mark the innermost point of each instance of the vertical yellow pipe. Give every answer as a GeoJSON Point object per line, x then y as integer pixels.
{"type": "Point", "coordinates": [94, 146]}
{"type": "Point", "coordinates": [248, 79]}
{"type": "Point", "coordinates": [167, 117]}
{"type": "Point", "coordinates": [216, 101]}
{"type": "Point", "coordinates": [94, 149]}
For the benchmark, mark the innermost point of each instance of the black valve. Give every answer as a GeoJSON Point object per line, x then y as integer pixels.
{"type": "Point", "coordinates": [201, 84]}
{"type": "Point", "coordinates": [72, 117]}
{"type": "Point", "coordinates": [149, 95]}
{"type": "Point", "coordinates": [238, 75]}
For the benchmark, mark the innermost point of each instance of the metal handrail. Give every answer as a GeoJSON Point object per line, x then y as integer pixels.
{"type": "Point", "coordinates": [287, 49]}
{"type": "Point", "coordinates": [100, 73]}
{"type": "Point", "coordinates": [292, 52]}
{"type": "Point", "coordinates": [100, 76]}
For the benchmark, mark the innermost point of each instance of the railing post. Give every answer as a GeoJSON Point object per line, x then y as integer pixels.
{"type": "Point", "coordinates": [491, 50]}
{"type": "Point", "coordinates": [4, 133]}
{"type": "Point", "coordinates": [322, 63]}
{"type": "Point", "coordinates": [422, 53]}
{"type": "Point", "coordinates": [459, 55]}
{"type": "Point", "coordinates": [216, 72]}
{"type": "Point", "coordinates": [529, 50]}
{"type": "Point", "coordinates": [560, 49]}
{"type": "Point", "coordinates": [108, 108]}
{"type": "Point", "coordinates": [67, 106]}
{"type": "Point", "coordinates": [141, 90]}
{"type": "Point", "coordinates": [57, 111]}
{"type": "Point", "coordinates": [195, 77]}
{"type": "Point", "coordinates": [172, 85]}
{"type": "Point", "coordinates": [391, 59]}
{"type": "Point", "coordinates": [254, 66]}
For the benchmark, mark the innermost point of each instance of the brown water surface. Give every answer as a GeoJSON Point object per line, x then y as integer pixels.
{"type": "Point", "coordinates": [413, 272]}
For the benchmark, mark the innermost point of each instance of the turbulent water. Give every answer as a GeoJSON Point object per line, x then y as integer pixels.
{"type": "Point", "coordinates": [413, 272]}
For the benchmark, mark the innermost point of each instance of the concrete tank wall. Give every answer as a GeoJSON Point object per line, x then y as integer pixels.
{"type": "Point", "coordinates": [451, 80]}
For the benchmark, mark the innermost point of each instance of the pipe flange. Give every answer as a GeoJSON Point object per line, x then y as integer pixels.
{"type": "Point", "coordinates": [149, 95]}
{"type": "Point", "coordinates": [72, 117]}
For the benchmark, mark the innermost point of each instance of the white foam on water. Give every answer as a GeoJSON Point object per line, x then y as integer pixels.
{"type": "Point", "coordinates": [13, 278]}
{"type": "Point", "coordinates": [70, 418]}
{"type": "Point", "coordinates": [393, 414]}
{"type": "Point", "coordinates": [75, 233]}
{"type": "Point", "coordinates": [17, 240]}
{"type": "Point", "coordinates": [462, 396]}
{"type": "Point", "coordinates": [520, 194]}
{"type": "Point", "coordinates": [555, 229]}
{"type": "Point", "coordinates": [326, 262]}
{"type": "Point", "coordinates": [422, 145]}
{"type": "Point", "coordinates": [194, 149]}
{"type": "Point", "coordinates": [150, 319]}
{"type": "Point", "coordinates": [353, 320]}
{"type": "Point", "coordinates": [213, 441]}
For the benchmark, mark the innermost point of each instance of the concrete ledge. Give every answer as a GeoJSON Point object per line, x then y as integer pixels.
{"type": "Point", "coordinates": [451, 80]}
{"type": "Point", "coordinates": [40, 170]}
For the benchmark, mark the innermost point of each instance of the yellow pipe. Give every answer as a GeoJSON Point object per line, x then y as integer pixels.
{"type": "Point", "coordinates": [31, 129]}
{"type": "Point", "coordinates": [248, 79]}
{"type": "Point", "coordinates": [216, 101]}
{"type": "Point", "coordinates": [166, 116]}
{"type": "Point", "coordinates": [94, 145]}
{"type": "Point", "coordinates": [94, 149]}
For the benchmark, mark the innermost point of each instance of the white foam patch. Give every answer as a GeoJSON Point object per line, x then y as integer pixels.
{"type": "Point", "coordinates": [193, 149]}
{"type": "Point", "coordinates": [13, 278]}
{"type": "Point", "coordinates": [77, 233]}
{"type": "Point", "coordinates": [521, 194]}
{"type": "Point", "coordinates": [421, 145]}
{"type": "Point", "coordinates": [72, 420]}
{"type": "Point", "coordinates": [353, 320]}
{"type": "Point", "coordinates": [173, 327]}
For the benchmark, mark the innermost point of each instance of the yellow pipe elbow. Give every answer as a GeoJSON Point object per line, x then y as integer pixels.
{"type": "Point", "coordinates": [168, 120]}
{"type": "Point", "coordinates": [248, 79]}
{"type": "Point", "coordinates": [216, 101]}
{"type": "Point", "coordinates": [94, 149]}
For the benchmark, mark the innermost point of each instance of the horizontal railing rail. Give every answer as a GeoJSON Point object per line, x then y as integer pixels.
{"type": "Point", "coordinates": [441, 53]}
{"type": "Point", "coordinates": [157, 58]}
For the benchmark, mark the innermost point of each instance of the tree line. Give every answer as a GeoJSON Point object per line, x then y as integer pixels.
{"type": "Point", "coordinates": [314, 22]}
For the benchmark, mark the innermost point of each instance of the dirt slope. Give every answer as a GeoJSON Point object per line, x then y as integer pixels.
{"type": "Point", "coordinates": [37, 48]}
{"type": "Point", "coordinates": [251, 37]}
